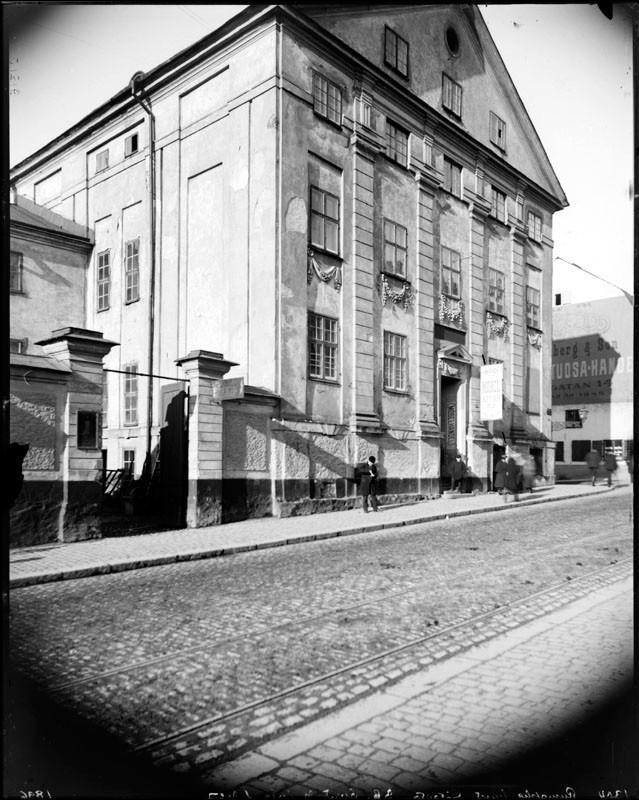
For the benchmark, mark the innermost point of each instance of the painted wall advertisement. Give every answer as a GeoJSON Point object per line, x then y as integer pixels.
{"type": "Point", "coordinates": [592, 352]}
{"type": "Point", "coordinates": [491, 391]}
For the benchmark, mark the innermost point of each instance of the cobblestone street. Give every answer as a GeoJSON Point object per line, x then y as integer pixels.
{"type": "Point", "coordinates": [199, 665]}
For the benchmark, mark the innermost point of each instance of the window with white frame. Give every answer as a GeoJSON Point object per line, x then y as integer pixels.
{"type": "Point", "coordinates": [104, 279]}
{"type": "Point", "coordinates": [497, 131]}
{"type": "Point", "coordinates": [324, 220]}
{"type": "Point", "coordinates": [322, 347]}
{"type": "Point", "coordinates": [131, 394]}
{"type": "Point", "coordinates": [128, 462]}
{"type": "Point", "coordinates": [452, 177]}
{"type": "Point", "coordinates": [131, 145]}
{"type": "Point", "coordinates": [498, 204]}
{"type": "Point", "coordinates": [396, 52]}
{"type": "Point", "coordinates": [451, 95]}
{"type": "Point", "coordinates": [395, 361]}
{"type": "Point", "coordinates": [496, 291]}
{"type": "Point", "coordinates": [102, 160]}
{"type": "Point", "coordinates": [395, 248]}
{"type": "Point", "coordinates": [396, 143]}
{"type": "Point", "coordinates": [16, 284]}
{"type": "Point", "coordinates": [533, 307]}
{"type": "Point", "coordinates": [534, 226]}
{"type": "Point", "coordinates": [327, 99]}
{"type": "Point", "coordinates": [451, 273]}
{"type": "Point", "coordinates": [132, 271]}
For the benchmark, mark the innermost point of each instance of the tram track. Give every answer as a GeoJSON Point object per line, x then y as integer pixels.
{"type": "Point", "coordinates": [301, 620]}
{"type": "Point", "coordinates": [581, 585]}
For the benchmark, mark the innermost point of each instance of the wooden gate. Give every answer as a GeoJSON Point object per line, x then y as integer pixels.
{"type": "Point", "coordinates": [173, 456]}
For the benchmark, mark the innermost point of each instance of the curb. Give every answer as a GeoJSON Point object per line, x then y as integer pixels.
{"type": "Point", "coordinates": [155, 561]}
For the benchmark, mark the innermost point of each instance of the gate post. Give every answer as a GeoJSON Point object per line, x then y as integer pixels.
{"type": "Point", "coordinates": [82, 352]}
{"type": "Point", "coordinates": [205, 371]}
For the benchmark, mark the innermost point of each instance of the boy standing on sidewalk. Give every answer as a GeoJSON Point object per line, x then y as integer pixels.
{"type": "Point", "coordinates": [369, 485]}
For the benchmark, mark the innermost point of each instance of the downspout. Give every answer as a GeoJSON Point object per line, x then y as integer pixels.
{"type": "Point", "coordinates": [146, 106]}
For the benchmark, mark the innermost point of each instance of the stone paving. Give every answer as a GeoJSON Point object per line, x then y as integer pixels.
{"type": "Point", "coordinates": [458, 718]}
{"type": "Point", "coordinates": [44, 563]}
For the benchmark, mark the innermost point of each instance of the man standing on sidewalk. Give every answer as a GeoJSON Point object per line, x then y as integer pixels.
{"type": "Point", "coordinates": [592, 460]}
{"type": "Point", "coordinates": [611, 466]}
{"type": "Point", "coordinates": [369, 485]}
{"type": "Point", "coordinates": [457, 474]}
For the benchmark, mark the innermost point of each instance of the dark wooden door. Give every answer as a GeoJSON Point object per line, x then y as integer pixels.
{"type": "Point", "coordinates": [173, 456]}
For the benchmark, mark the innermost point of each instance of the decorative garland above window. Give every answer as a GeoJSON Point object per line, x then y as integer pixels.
{"type": "Point", "coordinates": [534, 338]}
{"type": "Point", "coordinates": [451, 310]}
{"type": "Point", "coordinates": [497, 326]}
{"type": "Point", "coordinates": [404, 296]}
{"type": "Point", "coordinates": [323, 274]}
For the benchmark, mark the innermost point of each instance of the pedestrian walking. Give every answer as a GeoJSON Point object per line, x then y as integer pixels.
{"type": "Point", "coordinates": [593, 459]}
{"type": "Point", "coordinates": [610, 463]}
{"type": "Point", "coordinates": [457, 473]}
{"type": "Point", "coordinates": [369, 485]}
{"type": "Point", "coordinates": [529, 473]}
{"type": "Point", "coordinates": [500, 474]}
{"type": "Point", "coordinates": [513, 476]}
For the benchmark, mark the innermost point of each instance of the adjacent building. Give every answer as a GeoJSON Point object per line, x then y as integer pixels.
{"type": "Point", "coordinates": [592, 383]}
{"type": "Point", "coordinates": [313, 230]}
{"type": "Point", "coordinates": [56, 378]}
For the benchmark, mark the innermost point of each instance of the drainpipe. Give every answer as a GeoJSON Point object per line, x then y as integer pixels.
{"type": "Point", "coordinates": [145, 103]}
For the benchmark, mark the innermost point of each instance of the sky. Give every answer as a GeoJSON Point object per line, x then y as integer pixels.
{"type": "Point", "coordinates": [572, 68]}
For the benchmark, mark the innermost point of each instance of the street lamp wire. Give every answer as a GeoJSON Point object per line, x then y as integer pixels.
{"type": "Point", "coordinates": [626, 294]}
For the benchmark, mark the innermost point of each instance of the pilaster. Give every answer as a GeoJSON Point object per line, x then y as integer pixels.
{"type": "Point", "coordinates": [518, 329]}
{"type": "Point", "coordinates": [365, 149]}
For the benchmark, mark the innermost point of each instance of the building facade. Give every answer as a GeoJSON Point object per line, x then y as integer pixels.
{"type": "Point", "coordinates": [329, 219]}
{"type": "Point", "coordinates": [592, 384]}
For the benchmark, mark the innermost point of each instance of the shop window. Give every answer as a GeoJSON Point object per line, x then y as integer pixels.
{"type": "Point", "coordinates": [559, 451]}
{"type": "Point", "coordinates": [580, 448]}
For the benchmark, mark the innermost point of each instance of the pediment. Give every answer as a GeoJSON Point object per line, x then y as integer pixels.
{"type": "Point", "coordinates": [478, 67]}
{"type": "Point", "coordinates": [455, 352]}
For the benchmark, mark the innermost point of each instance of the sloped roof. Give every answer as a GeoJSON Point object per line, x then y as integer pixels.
{"type": "Point", "coordinates": [27, 213]}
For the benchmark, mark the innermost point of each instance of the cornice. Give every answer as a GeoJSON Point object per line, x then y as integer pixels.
{"type": "Point", "coordinates": [32, 233]}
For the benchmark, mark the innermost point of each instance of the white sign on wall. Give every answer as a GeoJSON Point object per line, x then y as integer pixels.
{"type": "Point", "coordinates": [491, 387]}
{"type": "Point", "coordinates": [228, 389]}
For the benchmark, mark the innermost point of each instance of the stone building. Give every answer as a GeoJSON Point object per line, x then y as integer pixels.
{"type": "Point", "coordinates": [315, 227]}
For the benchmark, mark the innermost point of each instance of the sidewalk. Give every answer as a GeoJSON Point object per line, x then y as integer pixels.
{"type": "Point", "coordinates": [63, 561]}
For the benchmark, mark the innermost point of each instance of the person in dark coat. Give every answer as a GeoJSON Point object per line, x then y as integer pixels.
{"type": "Point", "coordinates": [513, 475]}
{"type": "Point", "coordinates": [500, 475]}
{"type": "Point", "coordinates": [457, 474]}
{"type": "Point", "coordinates": [369, 485]}
{"type": "Point", "coordinates": [529, 473]}
{"type": "Point", "coordinates": [593, 459]}
{"type": "Point", "coordinates": [610, 463]}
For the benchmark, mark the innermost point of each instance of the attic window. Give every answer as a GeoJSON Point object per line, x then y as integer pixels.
{"type": "Point", "coordinates": [452, 41]}
{"type": "Point", "coordinates": [131, 145]}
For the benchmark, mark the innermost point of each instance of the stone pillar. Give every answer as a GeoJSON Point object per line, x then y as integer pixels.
{"type": "Point", "coordinates": [82, 351]}
{"type": "Point", "coordinates": [205, 371]}
{"type": "Point", "coordinates": [363, 416]}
